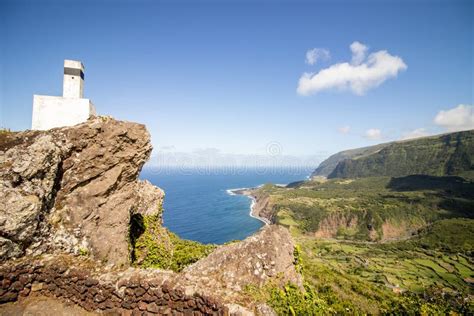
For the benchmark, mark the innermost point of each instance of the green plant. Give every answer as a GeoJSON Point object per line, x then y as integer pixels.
{"type": "Point", "coordinates": [153, 246]}
{"type": "Point", "coordinates": [298, 260]}
{"type": "Point", "coordinates": [429, 221]}
{"type": "Point", "coordinates": [83, 252]}
{"type": "Point", "coordinates": [292, 300]}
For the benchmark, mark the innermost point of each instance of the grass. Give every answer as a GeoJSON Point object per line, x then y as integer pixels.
{"type": "Point", "coordinates": [420, 270]}
{"type": "Point", "coordinates": [436, 155]}
{"type": "Point", "coordinates": [370, 275]}
{"type": "Point", "coordinates": [372, 209]}
{"type": "Point", "coordinates": [153, 246]}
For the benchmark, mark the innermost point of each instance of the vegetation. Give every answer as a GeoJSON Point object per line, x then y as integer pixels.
{"type": "Point", "coordinates": [83, 252]}
{"type": "Point", "coordinates": [328, 165]}
{"type": "Point", "coordinates": [377, 277]}
{"type": "Point", "coordinates": [291, 300]}
{"type": "Point", "coordinates": [298, 260]}
{"type": "Point", "coordinates": [5, 138]}
{"type": "Point", "coordinates": [438, 155]}
{"type": "Point", "coordinates": [451, 236]}
{"type": "Point", "coordinates": [359, 278]}
{"type": "Point", "coordinates": [370, 209]}
{"type": "Point", "coordinates": [377, 245]}
{"type": "Point", "coordinates": [9, 139]}
{"type": "Point", "coordinates": [153, 246]}
{"type": "Point", "coordinates": [376, 238]}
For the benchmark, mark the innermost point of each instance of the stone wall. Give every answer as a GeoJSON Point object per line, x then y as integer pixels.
{"type": "Point", "coordinates": [129, 292]}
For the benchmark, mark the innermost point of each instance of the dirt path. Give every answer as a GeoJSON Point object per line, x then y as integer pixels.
{"type": "Point", "coordinates": [42, 306]}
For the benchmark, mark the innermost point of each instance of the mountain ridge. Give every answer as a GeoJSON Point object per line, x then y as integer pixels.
{"type": "Point", "coordinates": [443, 154]}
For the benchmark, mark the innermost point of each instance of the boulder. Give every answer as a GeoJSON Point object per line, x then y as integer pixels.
{"type": "Point", "coordinates": [266, 255]}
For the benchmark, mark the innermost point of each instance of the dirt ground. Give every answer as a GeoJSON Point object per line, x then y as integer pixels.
{"type": "Point", "coordinates": [42, 306]}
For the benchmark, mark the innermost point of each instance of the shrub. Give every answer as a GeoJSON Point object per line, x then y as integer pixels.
{"type": "Point", "coordinates": [153, 246]}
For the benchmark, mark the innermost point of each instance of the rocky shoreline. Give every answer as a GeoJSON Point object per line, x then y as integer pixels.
{"type": "Point", "coordinates": [256, 206]}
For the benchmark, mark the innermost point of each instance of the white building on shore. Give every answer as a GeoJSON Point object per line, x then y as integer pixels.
{"type": "Point", "coordinates": [70, 109]}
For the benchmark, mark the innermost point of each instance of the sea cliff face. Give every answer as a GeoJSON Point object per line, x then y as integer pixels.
{"type": "Point", "coordinates": [446, 154]}
{"type": "Point", "coordinates": [327, 166]}
{"type": "Point", "coordinates": [77, 224]}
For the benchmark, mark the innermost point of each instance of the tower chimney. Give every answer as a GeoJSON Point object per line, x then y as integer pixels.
{"type": "Point", "coordinates": [73, 83]}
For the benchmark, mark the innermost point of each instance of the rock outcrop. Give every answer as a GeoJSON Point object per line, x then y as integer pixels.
{"type": "Point", "coordinates": [70, 200]}
{"type": "Point", "coordinates": [74, 189]}
{"type": "Point", "coordinates": [225, 272]}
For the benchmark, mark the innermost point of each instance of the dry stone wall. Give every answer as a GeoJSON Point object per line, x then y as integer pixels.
{"type": "Point", "coordinates": [130, 292]}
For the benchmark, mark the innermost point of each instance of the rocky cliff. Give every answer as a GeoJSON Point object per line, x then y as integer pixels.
{"type": "Point", "coordinates": [74, 218]}
{"type": "Point", "coordinates": [74, 189]}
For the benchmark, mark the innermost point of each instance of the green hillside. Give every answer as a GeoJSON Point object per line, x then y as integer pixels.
{"type": "Point", "coordinates": [370, 209]}
{"type": "Point", "coordinates": [378, 245]}
{"type": "Point", "coordinates": [328, 165]}
{"type": "Point", "coordinates": [447, 154]}
{"type": "Point", "coordinates": [388, 231]}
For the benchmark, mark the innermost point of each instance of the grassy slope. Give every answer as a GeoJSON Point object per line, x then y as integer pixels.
{"type": "Point", "coordinates": [328, 165]}
{"type": "Point", "coordinates": [372, 209]}
{"type": "Point", "coordinates": [437, 155]}
{"type": "Point", "coordinates": [348, 273]}
{"type": "Point", "coordinates": [154, 246]}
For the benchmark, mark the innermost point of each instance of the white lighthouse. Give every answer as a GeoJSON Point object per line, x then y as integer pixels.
{"type": "Point", "coordinates": [68, 110]}
{"type": "Point", "coordinates": [73, 82]}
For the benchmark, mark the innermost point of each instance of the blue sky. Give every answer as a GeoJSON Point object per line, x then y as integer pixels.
{"type": "Point", "coordinates": [224, 75]}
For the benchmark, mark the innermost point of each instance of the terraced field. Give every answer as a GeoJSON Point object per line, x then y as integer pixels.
{"type": "Point", "coordinates": [398, 270]}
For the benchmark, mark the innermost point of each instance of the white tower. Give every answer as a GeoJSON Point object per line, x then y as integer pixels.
{"type": "Point", "coordinates": [70, 109]}
{"type": "Point", "coordinates": [73, 82]}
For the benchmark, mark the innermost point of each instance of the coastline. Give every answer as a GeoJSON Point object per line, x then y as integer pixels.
{"type": "Point", "coordinates": [248, 193]}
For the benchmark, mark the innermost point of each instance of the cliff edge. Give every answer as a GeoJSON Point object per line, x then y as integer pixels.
{"type": "Point", "coordinates": [74, 189]}
{"type": "Point", "coordinates": [77, 224]}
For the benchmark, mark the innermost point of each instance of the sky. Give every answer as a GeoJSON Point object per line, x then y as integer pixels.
{"type": "Point", "coordinates": [278, 78]}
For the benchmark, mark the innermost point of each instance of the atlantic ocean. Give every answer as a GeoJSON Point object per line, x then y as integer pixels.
{"type": "Point", "coordinates": [198, 207]}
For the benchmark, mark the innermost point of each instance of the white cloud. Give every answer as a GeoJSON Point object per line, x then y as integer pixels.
{"type": "Point", "coordinates": [419, 132]}
{"type": "Point", "coordinates": [373, 134]}
{"type": "Point", "coordinates": [316, 54]}
{"type": "Point", "coordinates": [459, 118]}
{"type": "Point", "coordinates": [344, 129]}
{"type": "Point", "coordinates": [359, 51]}
{"type": "Point", "coordinates": [359, 76]}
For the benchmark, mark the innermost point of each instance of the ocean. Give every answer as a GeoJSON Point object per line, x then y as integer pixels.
{"type": "Point", "coordinates": [198, 207]}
